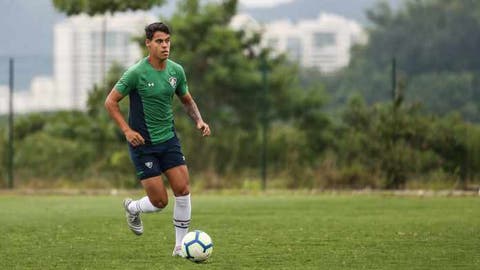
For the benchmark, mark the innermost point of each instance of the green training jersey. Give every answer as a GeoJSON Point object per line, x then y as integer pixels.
{"type": "Point", "coordinates": [151, 96]}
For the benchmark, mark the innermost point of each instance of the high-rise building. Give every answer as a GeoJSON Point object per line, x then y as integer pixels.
{"type": "Point", "coordinates": [86, 47]}
{"type": "Point", "coordinates": [323, 43]}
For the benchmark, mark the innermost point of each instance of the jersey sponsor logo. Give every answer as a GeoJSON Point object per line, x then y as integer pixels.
{"type": "Point", "coordinates": [149, 164]}
{"type": "Point", "coordinates": [150, 84]}
{"type": "Point", "coordinates": [173, 81]}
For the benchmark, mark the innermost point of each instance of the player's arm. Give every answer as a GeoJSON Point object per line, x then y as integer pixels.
{"type": "Point", "coordinates": [192, 111]}
{"type": "Point", "coordinates": [111, 104]}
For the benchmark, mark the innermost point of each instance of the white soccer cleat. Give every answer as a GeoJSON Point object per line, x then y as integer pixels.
{"type": "Point", "coordinates": [177, 251]}
{"type": "Point", "coordinates": [133, 220]}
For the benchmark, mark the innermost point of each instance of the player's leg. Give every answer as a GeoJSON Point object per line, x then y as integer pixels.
{"type": "Point", "coordinates": [156, 198]}
{"type": "Point", "coordinates": [155, 201]}
{"type": "Point", "coordinates": [178, 178]}
{"type": "Point", "coordinates": [174, 167]}
{"type": "Point", "coordinates": [149, 173]}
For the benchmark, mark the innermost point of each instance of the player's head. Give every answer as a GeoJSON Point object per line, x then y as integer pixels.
{"type": "Point", "coordinates": [158, 40]}
{"type": "Point", "coordinates": [156, 27]}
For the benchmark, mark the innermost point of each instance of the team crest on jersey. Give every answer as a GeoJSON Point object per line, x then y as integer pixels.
{"type": "Point", "coordinates": [173, 81]}
{"type": "Point", "coordinates": [149, 164]}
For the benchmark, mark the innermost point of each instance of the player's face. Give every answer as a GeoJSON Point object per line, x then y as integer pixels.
{"type": "Point", "coordinates": [159, 45]}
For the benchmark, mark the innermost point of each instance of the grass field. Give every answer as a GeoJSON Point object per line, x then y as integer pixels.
{"type": "Point", "coordinates": [249, 232]}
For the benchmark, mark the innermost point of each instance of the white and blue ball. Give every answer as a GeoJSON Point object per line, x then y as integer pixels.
{"type": "Point", "coordinates": [197, 246]}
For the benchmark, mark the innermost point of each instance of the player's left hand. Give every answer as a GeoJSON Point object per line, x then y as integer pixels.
{"type": "Point", "coordinates": [204, 128]}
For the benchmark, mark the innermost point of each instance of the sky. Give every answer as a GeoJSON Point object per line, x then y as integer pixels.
{"type": "Point", "coordinates": [263, 3]}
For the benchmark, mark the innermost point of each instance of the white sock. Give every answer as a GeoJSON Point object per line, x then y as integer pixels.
{"type": "Point", "coordinates": [142, 205]}
{"type": "Point", "coordinates": [181, 217]}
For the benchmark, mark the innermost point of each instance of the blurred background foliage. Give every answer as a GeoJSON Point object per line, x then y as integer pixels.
{"type": "Point", "coordinates": [342, 130]}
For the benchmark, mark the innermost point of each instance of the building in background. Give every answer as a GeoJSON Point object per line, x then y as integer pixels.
{"type": "Point", "coordinates": [83, 52]}
{"type": "Point", "coordinates": [246, 23]}
{"type": "Point", "coordinates": [323, 43]}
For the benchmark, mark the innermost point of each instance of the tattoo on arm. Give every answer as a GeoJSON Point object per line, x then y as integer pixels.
{"type": "Point", "coordinates": [192, 111]}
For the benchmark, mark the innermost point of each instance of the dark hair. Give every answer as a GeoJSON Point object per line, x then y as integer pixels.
{"type": "Point", "coordinates": [155, 27]}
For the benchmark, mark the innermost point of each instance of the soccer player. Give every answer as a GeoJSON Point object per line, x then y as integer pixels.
{"type": "Point", "coordinates": [153, 145]}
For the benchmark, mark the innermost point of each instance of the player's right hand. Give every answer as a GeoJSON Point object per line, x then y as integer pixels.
{"type": "Point", "coordinates": [134, 138]}
{"type": "Point", "coordinates": [204, 128]}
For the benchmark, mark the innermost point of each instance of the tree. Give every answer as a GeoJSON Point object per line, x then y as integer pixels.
{"type": "Point", "coordinates": [223, 68]}
{"type": "Point", "coordinates": [426, 36]}
{"type": "Point", "coordinates": [435, 44]}
{"type": "Point", "coordinates": [93, 7]}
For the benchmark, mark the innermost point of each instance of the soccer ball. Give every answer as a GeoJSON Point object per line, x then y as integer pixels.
{"type": "Point", "coordinates": [197, 246]}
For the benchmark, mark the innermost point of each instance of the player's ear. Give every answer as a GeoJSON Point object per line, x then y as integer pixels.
{"type": "Point", "coordinates": [147, 42]}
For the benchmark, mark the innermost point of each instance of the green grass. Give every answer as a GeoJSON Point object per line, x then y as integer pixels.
{"type": "Point", "coordinates": [249, 232]}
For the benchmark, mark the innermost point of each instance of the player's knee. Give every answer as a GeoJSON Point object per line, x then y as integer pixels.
{"type": "Point", "coordinates": [160, 202]}
{"type": "Point", "coordinates": [183, 191]}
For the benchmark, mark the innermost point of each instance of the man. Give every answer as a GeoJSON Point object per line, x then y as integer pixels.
{"type": "Point", "coordinates": [153, 145]}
